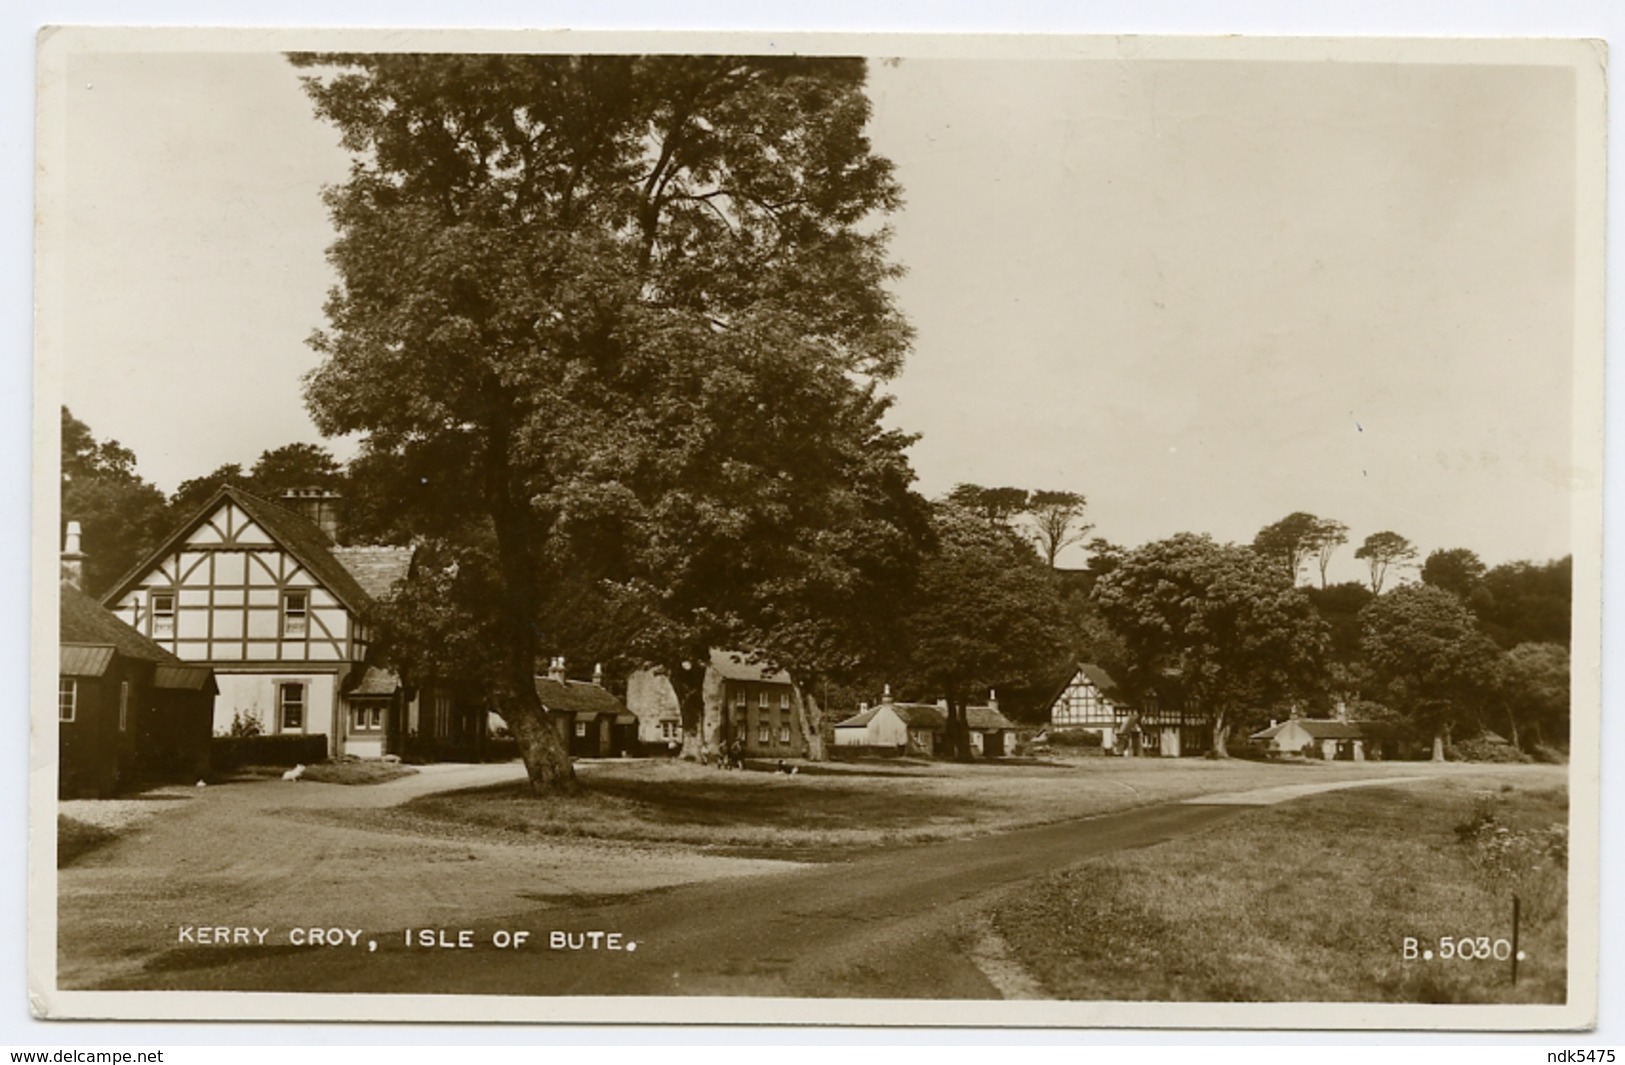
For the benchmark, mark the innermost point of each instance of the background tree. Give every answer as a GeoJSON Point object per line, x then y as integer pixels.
{"type": "Point", "coordinates": [575, 275]}
{"type": "Point", "coordinates": [1455, 569]}
{"type": "Point", "coordinates": [1002, 505]}
{"type": "Point", "coordinates": [1382, 552]}
{"type": "Point", "coordinates": [1425, 650]}
{"type": "Point", "coordinates": [1328, 535]}
{"type": "Point", "coordinates": [274, 473]}
{"type": "Point", "coordinates": [1528, 602]}
{"type": "Point", "coordinates": [1056, 520]}
{"type": "Point", "coordinates": [985, 615]}
{"type": "Point", "coordinates": [1534, 687]}
{"type": "Point", "coordinates": [1222, 619]}
{"type": "Point", "coordinates": [122, 517]}
{"type": "Point", "coordinates": [1339, 606]}
{"type": "Point", "coordinates": [1289, 542]}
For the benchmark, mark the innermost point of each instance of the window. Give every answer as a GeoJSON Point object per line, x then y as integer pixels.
{"type": "Point", "coordinates": [784, 700]}
{"type": "Point", "coordinates": [668, 730]}
{"type": "Point", "coordinates": [581, 729]}
{"type": "Point", "coordinates": [290, 701]}
{"type": "Point", "coordinates": [368, 719]}
{"type": "Point", "coordinates": [124, 706]}
{"type": "Point", "coordinates": [764, 735]}
{"type": "Point", "coordinates": [295, 613]}
{"type": "Point", "coordinates": [761, 699]}
{"type": "Point", "coordinates": [784, 733]}
{"type": "Point", "coordinates": [163, 614]}
{"type": "Point", "coordinates": [67, 698]}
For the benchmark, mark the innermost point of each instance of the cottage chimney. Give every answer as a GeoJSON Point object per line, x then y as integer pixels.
{"type": "Point", "coordinates": [555, 670]}
{"type": "Point", "coordinates": [73, 559]}
{"type": "Point", "coordinates": [1342, 713]}
{"type": "Point", "coordinates": [598, 674]}
{"type": "Point", "coordinates": [942, 704]}
{"type": "Point", "coordinates": [992, 699]}
{"type": "Point", "coordinates": [318, 506]}
{"type": "Point", "coordinates": [885, 695]}
{"type": "Point", "coordinates": [863, 708]}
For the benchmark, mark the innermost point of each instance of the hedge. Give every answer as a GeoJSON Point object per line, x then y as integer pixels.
{"type": "Point", "coordinates": [227, 753]}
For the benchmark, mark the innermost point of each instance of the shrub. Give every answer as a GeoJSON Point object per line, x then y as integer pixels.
{"type": "Point", "coordinates": [1478, 749]}
{"type": "Point", "coordinates": [1076, 738]}
{"type": "Point", "coordinates": [227, 753]}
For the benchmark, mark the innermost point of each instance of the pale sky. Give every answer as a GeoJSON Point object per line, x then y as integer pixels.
{"type": "Point", "coordinates": [1204, 294]}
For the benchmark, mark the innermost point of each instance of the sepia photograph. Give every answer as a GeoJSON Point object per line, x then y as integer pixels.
{"type": "Point", "coordinates": [817, 529]}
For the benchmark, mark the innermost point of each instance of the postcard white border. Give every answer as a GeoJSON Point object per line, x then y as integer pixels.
{"type": "Point", "coordinates": [1587, 58]}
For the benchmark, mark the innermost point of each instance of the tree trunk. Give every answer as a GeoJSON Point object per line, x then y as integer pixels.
{"type": "Point", "coordinates": [1221, 735]}
{"type": "Point", "coordinates": [547, 760]}
{"type": "Point", "coordinates": [957, 732]}
{"type": "Point", "coordinates": [688, 683]}
{"type": "Point", "coordinates": [810, 720]}
{"type": "Point", "coordinates": [1438, 745]}
{"type": "Point", "coordinates": [1512, 720]}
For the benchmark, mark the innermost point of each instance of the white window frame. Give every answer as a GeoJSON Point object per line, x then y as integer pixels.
{"type": "Point", "coordinates": [295, 623]}
{"type": "Point", "coordinates": [67, 697]}
{"type": "Point", "coordinates": [282, 703]}
{"type": "Point", "coordinates": [784, 700]}
{"type": "Point", "coordinates": [581, 730]}
{"type": "Point", "coordinates": [784, 735]}
{"type": "Point", "coordinates": [365, 718]}
{"type": "Point", "coordinates": [764, 736]}
{"type": "Point", "coordinates": [159, 632]}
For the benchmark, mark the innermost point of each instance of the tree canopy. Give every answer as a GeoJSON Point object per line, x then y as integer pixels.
{"type": "Point", "coordinates": [1383, 552]}
{"type": "Point", "coordinates": [1222, 620]}
{"type": "Point", "coordinates": [589, 280]}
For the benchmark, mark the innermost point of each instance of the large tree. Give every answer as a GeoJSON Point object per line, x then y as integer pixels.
{"type": "Point", "coordinates": [587, 278]}
{"type": "Point", "coordinates": [1458, 570]}
{"type": "Point", "coordinates": [1056, 520]}
{"type": "Point", "coordinates": [122, 517]}
{"type": "Point", "coordinates": [986, 614]}
{"type": "Point", "coordinates": [1222, 620]}
{"type": "Point", "coordinates": [1383, 552]}
{"type": "Point", "coordinates": [1534, 689]}
{"type": "Point", "coordinates": [1434, 665]}
{"type": "Point", "coordinates": [1289, 542]}
{"type": "Point", "coordinates": [1327, 536]}
{"type": "Point", "coordinates": [1002, 504]}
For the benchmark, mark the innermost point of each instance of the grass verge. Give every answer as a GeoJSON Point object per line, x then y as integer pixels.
{"type": "Point", "coordinates": [1313, 900]}
{"type": "Point", "coordinates": [356, 772]}
{"type": "Point", "coordinates": [75, 839]}
{"type": "Point", "coordinates": [840, 807]}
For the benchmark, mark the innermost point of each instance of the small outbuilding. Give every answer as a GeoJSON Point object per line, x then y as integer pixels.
{"type": "Point", "coordinates": [1314, 738]}
{"type": "Point", "coordinates": [591, 721]}
{"type": "Point", "coordinates": [128, 711]}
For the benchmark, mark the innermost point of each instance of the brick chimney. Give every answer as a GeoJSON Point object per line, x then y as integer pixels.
{"type": "Point", "coordinates": [555, 670]}
{"type": "Point", "coordinates": [319, 506]}
{"type": "Point", "coordinates": [73, 559]}
{"type": "Point", "coordinates": [598, 674]}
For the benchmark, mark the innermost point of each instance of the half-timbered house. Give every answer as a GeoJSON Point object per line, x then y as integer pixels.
{"type": "Point", "coordinates": [1090, 701]}
{"type": "Point", "coordinates": [261, 593]}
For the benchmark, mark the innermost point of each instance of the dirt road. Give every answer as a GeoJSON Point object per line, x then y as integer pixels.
{"type": "Point", "coordinates": [166, 910]}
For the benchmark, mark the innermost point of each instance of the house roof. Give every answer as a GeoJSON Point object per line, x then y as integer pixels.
{"type": "Point", "coordinates": [376, 569]}
{"type": "Point", "coordinates": [295, 533]}
{"type": "Point", "coordinates": [84, 660]}
{"type": "Point", "coordinates": [91, 635]}
{"type": "Point", "coordinates": [373, 680]}
{"type": "Point", "coordinates": [860, 719]}
{"type": "Point", "coordinates": [85, 621]}
{"type": "Point", "coordinates": [1100, 679]}
{"type": "Point", "coordinates": [733, 665]}
{"type": "Point", "coordinates": [1316, 728]}
{"type": "Point", "coordinates": [920, 715]}
{"type": "Point", "coordinates": [986, 719]}
{"type": "Point", "coordinates": [185, 678]}
{"type": "Point", "coordinates": [577, 697]}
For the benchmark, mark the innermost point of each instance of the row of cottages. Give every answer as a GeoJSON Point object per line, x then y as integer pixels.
{"type": "Point", "coordinates": [127, 709]}
{"type": "Point", "coordinates": [921, 728]}
{"type": "Point", "coordinates": [757, 707]}
{"type": "Point", "coordinates": [262, 594]}
{"type": "Point", "coordinates": [1162, 724]}
{"type": "Point", "coordinates": [1327, 739]}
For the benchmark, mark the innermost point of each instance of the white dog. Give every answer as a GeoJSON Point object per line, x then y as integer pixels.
{"type": "Point", "coordinates": [295, 773]}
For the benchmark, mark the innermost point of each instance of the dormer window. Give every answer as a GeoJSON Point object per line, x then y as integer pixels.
{"type": "Point", "coordinates": [295, 613]}
{"type": "Point", "coordinates": [163, 615]}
